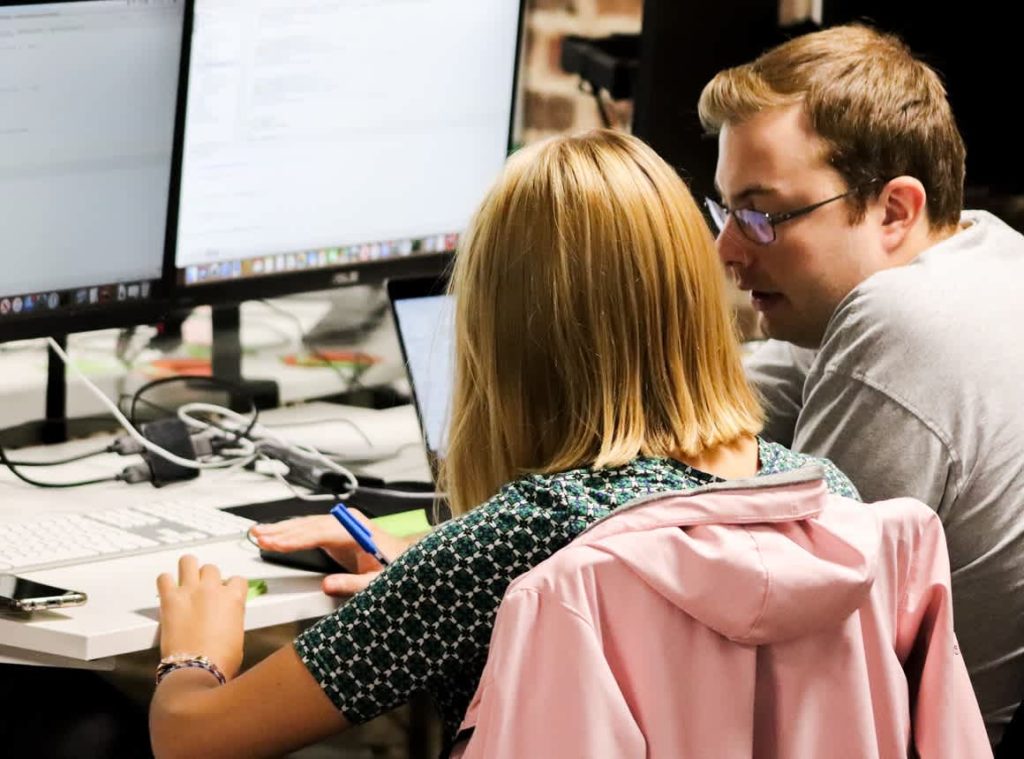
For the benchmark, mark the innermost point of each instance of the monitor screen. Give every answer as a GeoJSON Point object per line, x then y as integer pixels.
{"type": "Point", "coordinates": [327, 141]}
{"type": "Point", "coordinates": [88, 92]}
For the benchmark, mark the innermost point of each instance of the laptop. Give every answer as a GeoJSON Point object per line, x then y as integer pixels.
{"type": "Point", "coordinates": [424, 318]}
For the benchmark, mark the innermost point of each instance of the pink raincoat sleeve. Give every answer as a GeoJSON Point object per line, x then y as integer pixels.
{"type": "Point", "coordinates": [546, 690]}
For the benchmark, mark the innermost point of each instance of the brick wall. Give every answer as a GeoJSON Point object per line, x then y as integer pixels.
{"type": "Point", "coordinates": [551, 100]}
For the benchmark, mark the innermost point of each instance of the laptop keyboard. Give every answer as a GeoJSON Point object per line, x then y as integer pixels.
{"type": "Point", "coordinates": [67, 539]}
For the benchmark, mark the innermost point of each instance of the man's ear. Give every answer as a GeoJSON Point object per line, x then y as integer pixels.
{"type": "Point", "coordinates": [904, 205]}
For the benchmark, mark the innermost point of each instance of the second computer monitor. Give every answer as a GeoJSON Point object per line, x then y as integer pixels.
{"type": "Point", "coordinates": [328, 142]}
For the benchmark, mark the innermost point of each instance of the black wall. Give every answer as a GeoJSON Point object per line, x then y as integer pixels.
{"type": "Point", "coordinates": [979, 52]}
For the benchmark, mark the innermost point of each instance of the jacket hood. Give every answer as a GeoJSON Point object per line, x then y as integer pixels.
{"type": "Point", "coordinates": [757, 560]}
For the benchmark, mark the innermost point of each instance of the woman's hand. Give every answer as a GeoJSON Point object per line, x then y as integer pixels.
{"type": "Point", "coordinates": [324, 531]}
{"type": "Point", "coordinates": [202, 614]}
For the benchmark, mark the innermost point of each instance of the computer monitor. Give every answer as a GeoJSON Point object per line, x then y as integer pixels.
{"type": "Point", "coordinates": [329, 143]}
{"type": "Point", "coordinates": [88, 92]}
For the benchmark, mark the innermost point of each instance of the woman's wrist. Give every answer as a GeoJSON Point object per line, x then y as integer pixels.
{"type": "Point", "coordinates": [176, 662]}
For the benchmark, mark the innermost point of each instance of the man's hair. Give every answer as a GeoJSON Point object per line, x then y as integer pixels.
{"type": "Point", "coordinates": [591, 324]}
{"type": "Point", "coordinates": [881, 112]}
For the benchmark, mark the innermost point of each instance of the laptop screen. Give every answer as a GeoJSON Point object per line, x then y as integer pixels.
{"type": "Point", "coordinates": [425, 326]}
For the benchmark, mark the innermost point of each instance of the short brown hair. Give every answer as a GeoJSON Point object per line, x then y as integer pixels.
{"type": "Point", "coordinates": [591, 324]}
{"type": "Point", "coordinates": [882, 112]}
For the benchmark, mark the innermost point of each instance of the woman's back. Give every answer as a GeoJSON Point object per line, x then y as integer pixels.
{"type": "Point", "coordinates": [426, 623]}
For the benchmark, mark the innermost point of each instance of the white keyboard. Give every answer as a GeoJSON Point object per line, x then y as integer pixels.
{"type": "Point", "coordinates": [65, 539]}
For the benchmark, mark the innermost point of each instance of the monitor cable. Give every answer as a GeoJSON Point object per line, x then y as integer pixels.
{"type": "Point", "coordinates": [60, 462]}
{"type": "Point", "coordinates": [14, 466]}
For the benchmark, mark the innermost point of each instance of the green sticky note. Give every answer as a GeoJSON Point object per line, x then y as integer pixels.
{"type": "Point", "coordinates": [405, 524]}
{"type": "Point", "coordinates": [256, 588]}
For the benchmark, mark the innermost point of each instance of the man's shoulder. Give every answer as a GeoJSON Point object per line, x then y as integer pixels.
{"type": "Point", "coordinates": [928, 305]}
{"type": "Point", "coordinates": [883, 321]}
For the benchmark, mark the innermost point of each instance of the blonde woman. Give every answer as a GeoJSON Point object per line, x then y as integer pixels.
{"type": "Point", "coordinates": [595, 362]}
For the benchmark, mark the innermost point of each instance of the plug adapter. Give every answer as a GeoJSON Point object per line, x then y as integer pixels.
{"type": "Point", "coordinates": [305, 470]}
{"type": "Point", "coordinates": [172, 435]}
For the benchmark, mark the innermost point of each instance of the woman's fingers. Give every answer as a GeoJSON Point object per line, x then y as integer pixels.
{"type": "Point", "coordinates": [301, 533]}
{"type": "Point", "coordinates": [210, 574]}
{"type": "Point", "coordinates": [239, 585]}
{"type": "Point", "coordinates": [165, 583]}
{"type": "Point", "coordinates": [203, 613]}
{"type": "Point", "coordinates": [347, 585]}
{"type": "Point", "coordinates": [188, 570]}
{"type": "Point", "coordinates": [324, 531]}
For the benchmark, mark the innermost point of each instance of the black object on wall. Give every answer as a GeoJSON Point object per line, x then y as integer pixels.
{"type": "Point", "coordinates": [685, 43]}
{"type": "Point", "coordinates": [977, 53]}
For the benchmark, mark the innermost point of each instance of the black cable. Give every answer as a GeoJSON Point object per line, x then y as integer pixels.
{"type": "Point", "coordinates": [216, 382]}
{"type": "Point", "coordinates": [59, 462]}
{"type": "Point", "coordinates": [606, 121]}
{"type": "Point", "coordinates": [124, 339]}
{"type": "Point", "coordinates": [129, 396]}
{"type": "Point", "coordinates": [136, 398]}
{"type": "Point", "coordinates": [13, 467]}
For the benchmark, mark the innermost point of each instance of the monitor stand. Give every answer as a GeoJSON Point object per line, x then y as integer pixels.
{"type": "Point", "coordinates": [55, 423]}
{"type": "Point", "coordinates": [226, 362]}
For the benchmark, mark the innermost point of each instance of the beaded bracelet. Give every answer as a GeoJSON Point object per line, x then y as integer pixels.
{"type": "Point", "coordinates": [187, 661]}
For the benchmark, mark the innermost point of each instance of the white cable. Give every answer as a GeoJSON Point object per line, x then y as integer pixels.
{"type": "Point", "coordinates": [295, 492]}
{"type": "Point", "coordinates": [389, 454]}
{"type": "Point", "coordinates": [128, 426]}
{"type": "Point", "coordinates": [412, 494]}
{"type": "Point", "coordinates": [210, 408]}
{"type": "Point", "coordinates": [261, 432]}
{"type": "Point", "coordinates": [240, 448]}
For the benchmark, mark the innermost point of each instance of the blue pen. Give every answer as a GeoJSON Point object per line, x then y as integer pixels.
{"type": "Point", "coordinates": [358, 531]}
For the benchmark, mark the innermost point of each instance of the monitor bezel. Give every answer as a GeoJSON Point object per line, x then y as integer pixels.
{"type": "Point", "coordinates": [235, 291]}
{"type": "Point", "coordinates": [113, 314]}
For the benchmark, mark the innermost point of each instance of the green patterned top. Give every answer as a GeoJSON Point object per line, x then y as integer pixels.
{"type": "Point", "coordinates": [425, 623]}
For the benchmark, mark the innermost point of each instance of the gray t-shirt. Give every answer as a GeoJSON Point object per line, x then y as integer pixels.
{"type": "Point", "coordinates": [918, 390]}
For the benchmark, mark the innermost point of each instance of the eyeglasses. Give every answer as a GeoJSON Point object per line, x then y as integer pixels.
{"type": "Point", "coordinates": [758, 226]}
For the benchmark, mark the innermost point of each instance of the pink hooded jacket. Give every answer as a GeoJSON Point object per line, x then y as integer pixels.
{"type": "Point", "coordinates": [756, 618]}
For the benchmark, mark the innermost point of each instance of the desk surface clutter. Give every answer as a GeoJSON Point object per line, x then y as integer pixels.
{"type": "Point", "coordinates": [122, 611]}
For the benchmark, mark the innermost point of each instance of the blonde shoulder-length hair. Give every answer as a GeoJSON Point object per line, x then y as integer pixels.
{"type": "Point", "coordinates": [591, 323]}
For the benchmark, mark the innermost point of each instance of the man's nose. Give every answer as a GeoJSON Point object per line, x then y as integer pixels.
{"type": "Point", "coordinates": [733, 247]}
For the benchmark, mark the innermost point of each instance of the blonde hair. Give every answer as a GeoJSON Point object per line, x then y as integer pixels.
{"type": "Point", "coordinates": [881, 112]}
{"type": "Point", "coordinates": [591, 323]}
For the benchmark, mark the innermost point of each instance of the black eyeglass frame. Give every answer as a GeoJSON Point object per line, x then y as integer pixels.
{"type": "Point", "coordinates": [717, 210]}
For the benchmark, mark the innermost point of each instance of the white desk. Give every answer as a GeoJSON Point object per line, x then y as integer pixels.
{"type": "Point", "coordinates": [121, 614]}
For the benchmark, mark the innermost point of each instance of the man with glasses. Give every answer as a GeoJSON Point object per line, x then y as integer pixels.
{"type": "Point", "coordinates": [894, 316]}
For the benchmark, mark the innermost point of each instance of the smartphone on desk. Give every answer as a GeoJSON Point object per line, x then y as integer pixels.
{"type": "Point", "coordinates": [19, 594]}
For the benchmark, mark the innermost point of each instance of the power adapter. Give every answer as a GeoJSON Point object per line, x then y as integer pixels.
{"type": "Point", "coordinates": [172, 435]}
{"type": "Point", "coordinates": [304, 470]}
